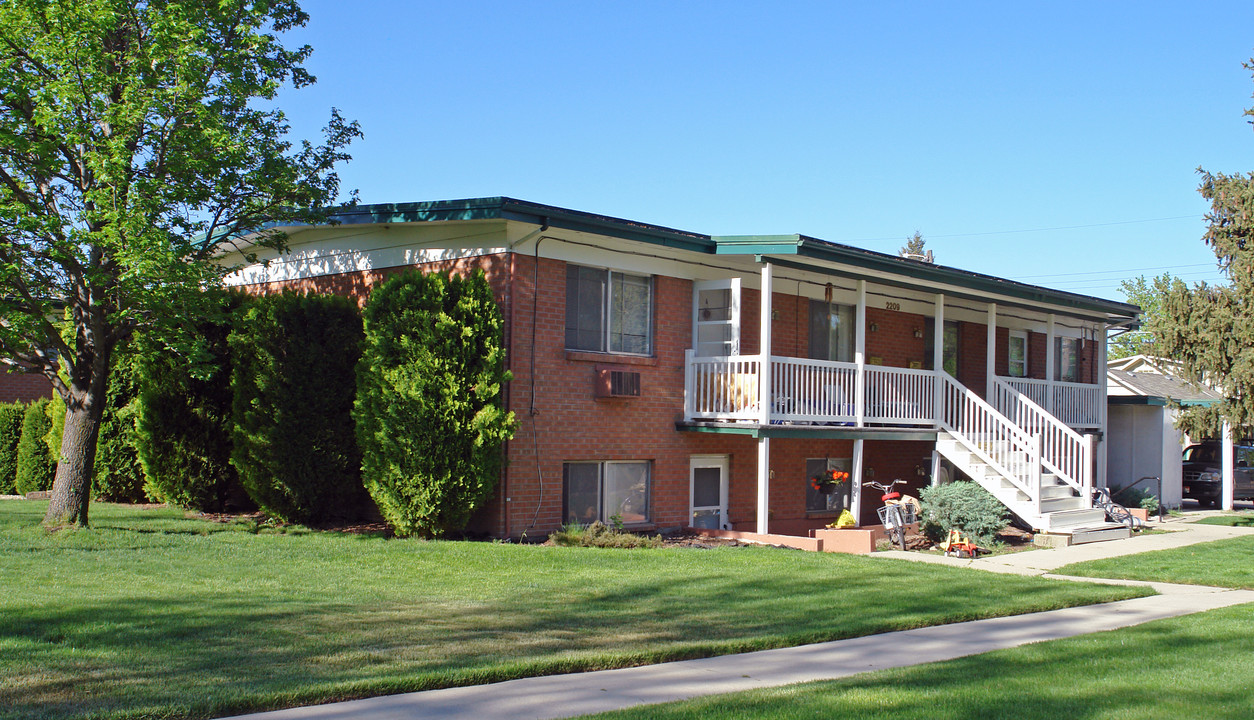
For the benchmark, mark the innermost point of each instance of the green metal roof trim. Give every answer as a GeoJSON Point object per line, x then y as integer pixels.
{"type": "Point", "coordinates": [815, 249]}
{"type": "Point", "coordinates": [1154, 400]}
{"type": "Point", "coordinates": [808, 432]}
{"type": "Point", "coordinates": [504, 208]}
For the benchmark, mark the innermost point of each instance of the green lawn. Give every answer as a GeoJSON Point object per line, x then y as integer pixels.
{"type": "Point", "coordinates": [1223, 563]}
{"type": "Point", "coordinates": [1198, 666]}
{"type": "Point", "coordinates": [150, 614]}
{"type": "Point", "coordinates": [1246, 520]}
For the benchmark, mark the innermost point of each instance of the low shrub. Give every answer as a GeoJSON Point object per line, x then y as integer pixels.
{"type": "Point", "coordinates": [964, 505]}
{"type": "Point", "coordinates": [11, 417]}
{"type": "Point", "coordinates": [294, 360]}
{"type": "Point", "coordinates": [1136, 497]}
{"type": "Point", "coordinates": [36, 466]}
{"type": "Point", "coordinates": [598, 534]}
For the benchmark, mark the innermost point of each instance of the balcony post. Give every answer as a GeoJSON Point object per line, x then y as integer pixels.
{"type": "Point", "coordinates": [855, 500]}
{"type": "Point", "coordinates": [764, 484]}
{"type": "Point", "coordinates": [1050, 362]}
{"type": "Point", "coordinates": [990, 358]}
{"type": "Point", "coordinates": [1101, 407]}
{"type": "Point", "coordinates": [859, 359]}
{"type": "Point", "coordinates": [764, 369]}
{"type": "Point", "coordinates": [938, 360]}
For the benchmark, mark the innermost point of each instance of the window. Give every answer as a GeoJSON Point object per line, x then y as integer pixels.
{"type": "Point", "coordinates": [831, 331]}
{"type": "Point", "coordinates": [603, 490]}
{"type": "Point", "coordinates": [1068, 360]}
{"type": "Point", "coordinates": [819, 502]}
{"type": "Point", "coordinates": [608, 311]}
{"type": "Point", "coordinates": [1018, 353]}
{"type": "Point", "coordinates": [949, 352]}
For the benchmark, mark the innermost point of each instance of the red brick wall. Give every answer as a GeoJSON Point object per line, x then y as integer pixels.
{"type": "Point", "coordinates": [1001, 361]}
{"type": "Point", "coordinates": [1037, 351]}
{"type": "Point", "coordinates": [973, 356]}
{"type": "Point", "coordinates": [885, 461]}
{"type": "Point", "coordinates": [893, 340]}
{"type": "Point", "coordinates": [23, 386]}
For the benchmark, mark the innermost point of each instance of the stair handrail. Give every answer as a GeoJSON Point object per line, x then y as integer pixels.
{"type": "Point", "coordinates": [964, 414]}
{"type": "Point", "coordinates": [1064, 452]}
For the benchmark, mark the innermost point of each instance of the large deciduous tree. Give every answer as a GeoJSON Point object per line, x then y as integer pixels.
{"type": "Point", "coordinates": [1209, 329]}
{"type": "Point", "coordinates": [1147, 295]}
{"type": "Point", "coordinates": [137, 139]}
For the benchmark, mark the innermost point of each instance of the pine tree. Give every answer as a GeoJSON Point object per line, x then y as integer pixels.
{"type": "Point", "coordinates": [914, 248]}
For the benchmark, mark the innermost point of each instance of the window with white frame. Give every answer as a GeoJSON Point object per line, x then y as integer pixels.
{"type": "Point", "coordinates": [608, 311]}
{"type": "Point", "coordinates": [1018, 354]}
{"type": "Point", "coordinates": [1068, 359]}
{"type": "Point", "coordinates": [605, 491]}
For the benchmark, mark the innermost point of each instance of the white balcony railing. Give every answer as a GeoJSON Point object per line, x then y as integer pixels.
{"type": "Point", "coordinates": [1078, 405]}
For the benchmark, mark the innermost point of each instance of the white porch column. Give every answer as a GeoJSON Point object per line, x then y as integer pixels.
{"type": "Point", "coordinates": [1227, 467]}
{"type": "Point", "coordinates": [1050, 361]}
{"type": "Point", "coordinates": [990, 362]}
{"type": "Point", "coordinates": [936, 461]}
{"type": "Point", "coordinates": [859, 359]}
{"type": "Point", "coordinates": [764, 484]}
{"type": "Point", "coordinates": [856, 496]}
{"type": "Point", "coordinates": [938, 359]}
{"type": "Point", "coordinates": [764, 375]}
{"type": "Point", "coordinates": [1103, 402]}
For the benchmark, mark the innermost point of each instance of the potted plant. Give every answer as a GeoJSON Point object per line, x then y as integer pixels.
{"type": "Point", "coordinates": [829, 481]}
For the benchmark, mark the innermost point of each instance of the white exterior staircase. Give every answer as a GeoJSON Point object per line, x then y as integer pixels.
{"type": "Point", "coordinates": [1037, 466]}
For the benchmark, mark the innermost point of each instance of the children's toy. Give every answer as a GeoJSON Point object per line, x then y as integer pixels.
{"type": "Point", "coordinates": [959, 545]}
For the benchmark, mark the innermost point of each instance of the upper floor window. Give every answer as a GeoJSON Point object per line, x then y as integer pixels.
{"type": "Point", "coordinates": [608, 311]}
{"type": "Point", "coordinates": [1068, 359]}
{"type": "Point", "coordinates": [1018, 354]}
{"type": "Point", "coordinates": [831, 331]}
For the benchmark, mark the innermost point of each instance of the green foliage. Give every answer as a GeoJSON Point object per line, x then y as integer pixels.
{"type": "Point", "coordinates": [915, 247]}
{"type": "Point", "coordinates": [1137, 498]}
{"type": "Point", "coordinates": [119, 474]}
{"type": "Point", "coordinates": [36, 465]}
{"type": "Point", "coordinates": [1147, 295]}
{"type": "Point", "coordinates": [294, 359]}
{"type": "Point", "coordinates": [11, 417]}
{"type": "Point", "coordinates": [1209, 329]}
{"type": "Point", "coordinates": [601, 535]}
{"type": "Point", "coordinates": [963, 505]}
{"type": "Point", "coordinates": [55, 410]}
{"type": "Point", "coordinates": [183, 417]}
{"type": "Point", "coordinates": [429, 394]}
{"type": "Point", "coordinates": [138, 142]}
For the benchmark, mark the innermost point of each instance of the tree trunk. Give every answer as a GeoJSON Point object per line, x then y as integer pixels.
{"type": "Point", "coordinates": [71, 490]}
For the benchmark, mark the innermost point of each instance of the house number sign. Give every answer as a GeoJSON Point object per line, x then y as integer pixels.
{"type": "Point", "coordinates": [892, 306]}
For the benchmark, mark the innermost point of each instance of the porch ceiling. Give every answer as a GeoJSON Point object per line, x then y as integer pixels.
{"type": "Point", "coordinates": [808, 432]}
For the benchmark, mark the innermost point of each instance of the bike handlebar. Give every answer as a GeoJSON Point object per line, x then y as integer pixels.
{"type": "Point", "coordinates": [882, 486]}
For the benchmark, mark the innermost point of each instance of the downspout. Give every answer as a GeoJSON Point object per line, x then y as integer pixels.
{"type": "Point", "coordinates": [532, 412]}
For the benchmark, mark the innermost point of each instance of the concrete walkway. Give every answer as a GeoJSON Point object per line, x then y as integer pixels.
{"type": "Point", "coordinates": [562, 696]}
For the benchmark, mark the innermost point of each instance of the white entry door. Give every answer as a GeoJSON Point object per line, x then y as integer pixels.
{"type": "Point", "coordinates": [707, 490]}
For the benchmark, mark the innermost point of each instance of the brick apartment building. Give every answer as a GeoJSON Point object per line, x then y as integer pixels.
{"type": "Point", "coordinates": [649, 388]}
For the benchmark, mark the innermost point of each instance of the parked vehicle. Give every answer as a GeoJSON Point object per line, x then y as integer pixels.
{"type": "Point", "coordinates": [1203, 472]}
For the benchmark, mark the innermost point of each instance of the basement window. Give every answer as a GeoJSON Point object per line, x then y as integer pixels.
{"type": "Point", "coordinates": [594, 491]}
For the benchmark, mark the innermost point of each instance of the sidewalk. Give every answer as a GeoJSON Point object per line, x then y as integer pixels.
{"type": "Point", "coordinates": [562, 696]}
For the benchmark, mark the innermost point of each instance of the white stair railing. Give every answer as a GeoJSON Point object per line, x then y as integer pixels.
{"type": "Point", "coordinates": [991, 436]}
{"type": "Point", "coordinates": [1064, 452]}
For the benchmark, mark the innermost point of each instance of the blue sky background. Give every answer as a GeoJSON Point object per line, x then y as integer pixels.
{"type": "Point", "coordinates": [1054, 143]}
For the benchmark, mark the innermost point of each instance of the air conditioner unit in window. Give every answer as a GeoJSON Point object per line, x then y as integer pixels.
{"type": "Point", "coordinates": [614, 383]}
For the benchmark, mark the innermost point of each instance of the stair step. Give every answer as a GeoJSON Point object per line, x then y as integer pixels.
{"type": "Point", "coordinates": [1061, 504]}
{"type": "Point", "coordinates": [1105, 531]}
{"type": "Point", "coordinates": [1064, 520]}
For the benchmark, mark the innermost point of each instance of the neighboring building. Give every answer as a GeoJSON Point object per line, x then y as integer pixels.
{"type": "Point", "coordinates": [23, 386]}
{"type": "Point", "coordinates": [672, 378]}
{"type": "Point", "coordinates": [1143, 439]}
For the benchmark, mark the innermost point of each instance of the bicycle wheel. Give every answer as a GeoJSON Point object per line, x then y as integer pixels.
{"type": "Point", "coordinates": [897, 533]}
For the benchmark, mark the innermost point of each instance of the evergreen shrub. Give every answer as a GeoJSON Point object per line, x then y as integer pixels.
{"type": "Point", "coordinates": [36, 466]}
{"type": "Point", "coordinates": [183, 418]}
{"type": "Point", "coordinates": [964, 505]}
{"type": "Point", "coordinates": [294, 361]}
{"type": "Point", "coordinates": [429, 394]}
{"type": "Point", "coordinates": [119, 475]}
{"type": "Point", "coordinates": [11, 417]}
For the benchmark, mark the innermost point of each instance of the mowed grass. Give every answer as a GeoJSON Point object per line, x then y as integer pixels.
{"type": "Point", "coordinates": [149, 614]}
{"type": "Point", "coordinates": [1222, 563]}
{"type": "Point", "coordinates": [1197, 666]}
{"type": "Point", "coordinates": [1246, 520]}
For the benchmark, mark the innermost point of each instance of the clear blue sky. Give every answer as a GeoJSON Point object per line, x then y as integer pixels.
{"type": "Point", "coordinates": [1034, 141]}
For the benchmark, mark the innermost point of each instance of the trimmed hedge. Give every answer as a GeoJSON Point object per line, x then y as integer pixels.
{"type": "Point", "coordinates": [36, 467]}
{"type": "Point", "coordinates": [119, 475]}
{"type": "Point", "coordinates": [964, 505]}
{"type": "Point", "coordinates": [183, 419]}
{"type": "Point", "coordinates": [294, 358]}
{"type": "Point", "coordinates": [429, 391]}
{"type": "Point", "coordinates": [11, 417]}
